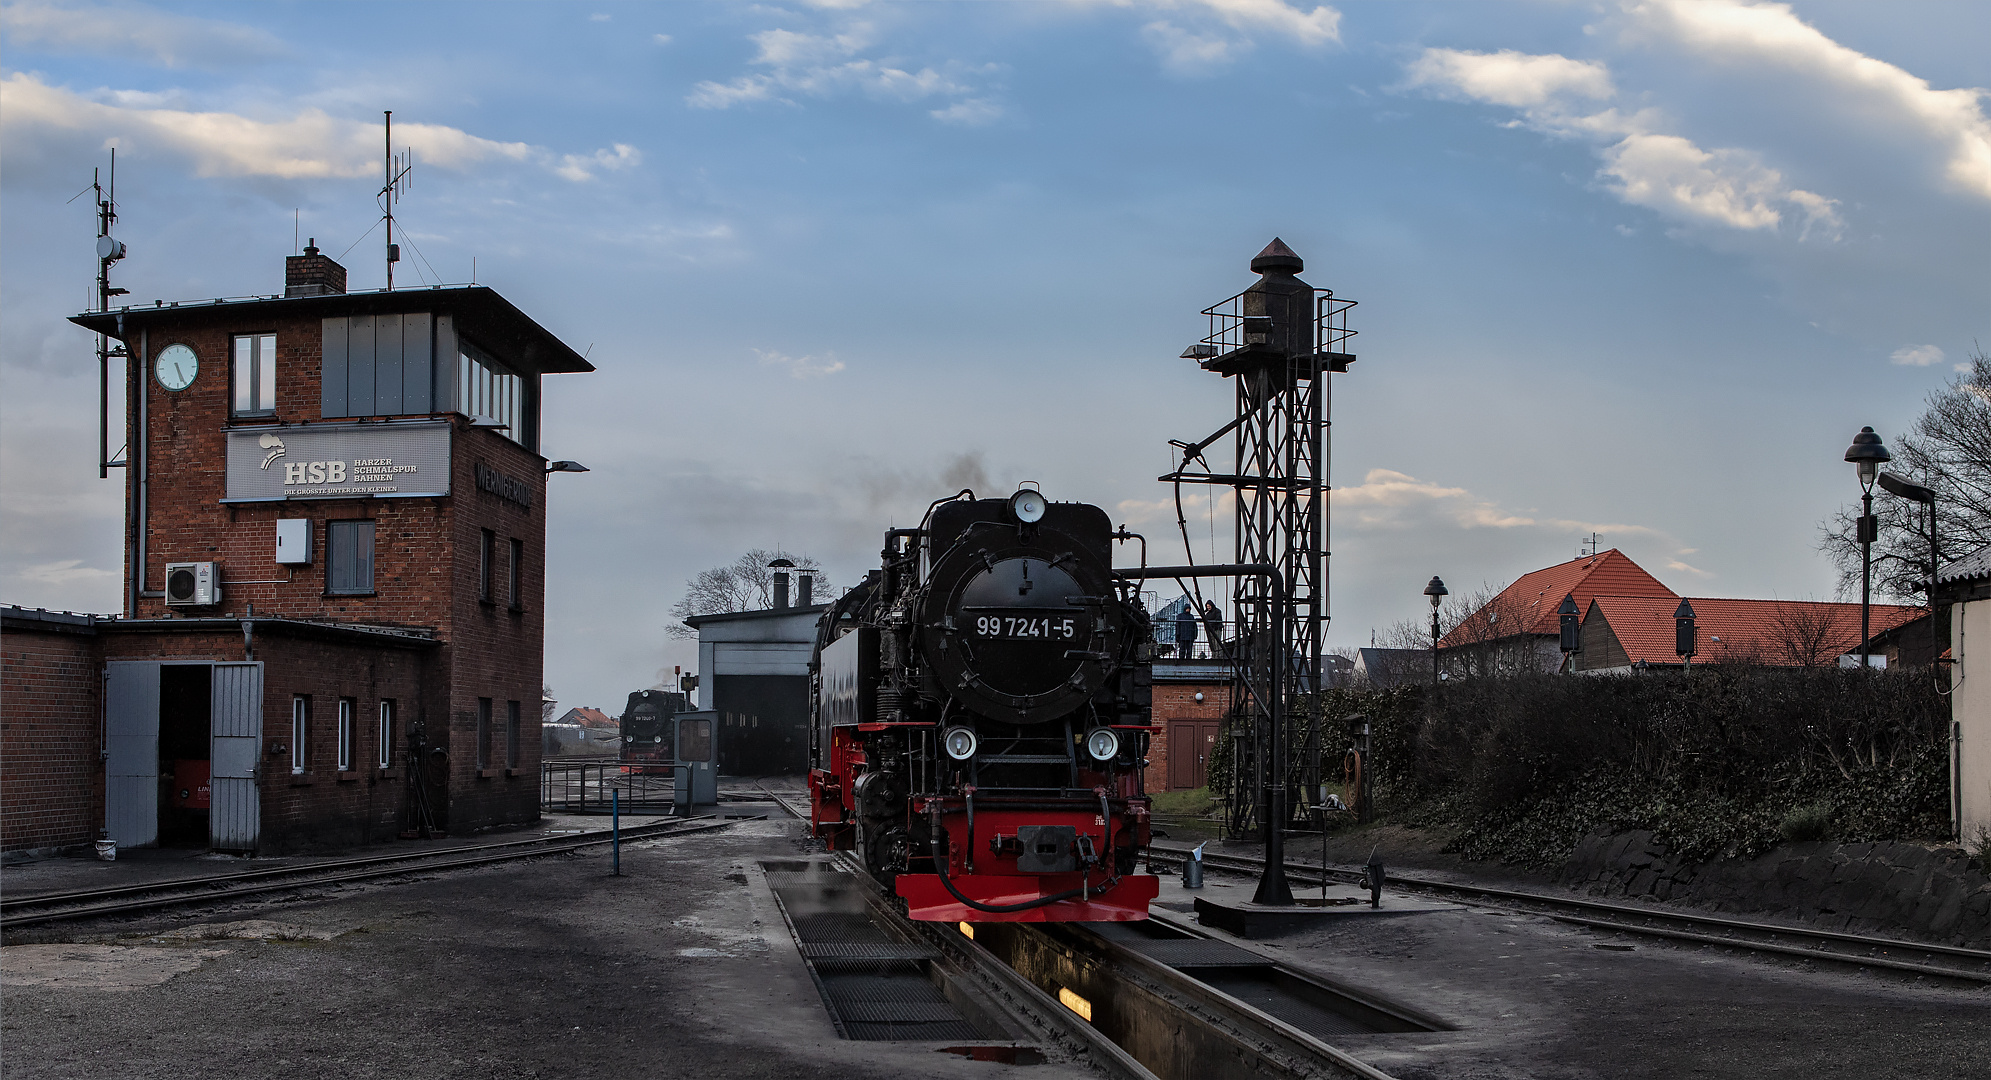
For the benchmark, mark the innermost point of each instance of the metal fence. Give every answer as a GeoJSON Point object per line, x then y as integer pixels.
{"type": "Point", "coordinates": [594, 786]}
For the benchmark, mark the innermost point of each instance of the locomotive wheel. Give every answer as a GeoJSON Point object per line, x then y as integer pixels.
{"type": "Point", "coordinates": [886, 851]}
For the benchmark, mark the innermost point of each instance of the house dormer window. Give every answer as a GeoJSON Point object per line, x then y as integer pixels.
{"type": "Point", "coordinates": [254, 374]}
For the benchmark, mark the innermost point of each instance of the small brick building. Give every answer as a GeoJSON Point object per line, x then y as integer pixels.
{"type": "Point", "coordinates": [334, 580]}
{"type": "Point", "coordinates": [1190, 699]}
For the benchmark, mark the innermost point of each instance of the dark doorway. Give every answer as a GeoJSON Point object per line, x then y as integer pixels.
{"type": "Point", "coordinates": [186, 709]}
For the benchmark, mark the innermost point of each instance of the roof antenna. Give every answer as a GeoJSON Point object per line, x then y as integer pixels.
{"type": "Point", "coordinates": [395, 170]}
{"type": "Point", "coordinates": [109, 250]}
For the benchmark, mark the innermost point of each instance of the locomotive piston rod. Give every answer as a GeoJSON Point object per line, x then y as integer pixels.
{"type": "Point", "coordinates": [1272, 886]}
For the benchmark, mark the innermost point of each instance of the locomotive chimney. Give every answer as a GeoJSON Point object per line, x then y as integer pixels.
{"type": "Point", "coordinates": [1279, 307]}
{"type": "Point", "coordinates": [780, 568]}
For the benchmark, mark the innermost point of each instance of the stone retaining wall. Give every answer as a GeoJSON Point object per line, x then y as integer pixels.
{"type": "Point", "coordinates": [1891, 889]}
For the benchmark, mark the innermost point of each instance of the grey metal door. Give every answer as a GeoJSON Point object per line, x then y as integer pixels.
{"type": "Point", "coordinates": [235, 809]}
{"type": "Point", "coordinates": [131, 751]}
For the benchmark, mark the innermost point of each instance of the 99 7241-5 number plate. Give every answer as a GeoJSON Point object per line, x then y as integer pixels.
{"type": "Point", "coordinates": [1048, 627]}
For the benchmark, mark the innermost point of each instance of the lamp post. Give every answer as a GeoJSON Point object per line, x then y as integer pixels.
{"type": "Point", "coordinates": [1436, 591]}
{"type": "Point", "coordinates": [1914, 492]}
{"type": "Point", "coordinates": [1867, 454]}
{"type": "Point", "coordinates": [1685, 639]}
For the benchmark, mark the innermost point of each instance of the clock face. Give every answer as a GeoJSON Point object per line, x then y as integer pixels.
{"type": "Point", "coordinates": [176, 367]}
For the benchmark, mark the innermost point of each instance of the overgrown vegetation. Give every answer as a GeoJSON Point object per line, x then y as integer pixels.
{"type": "Point", "coordinates": [1725, 762]}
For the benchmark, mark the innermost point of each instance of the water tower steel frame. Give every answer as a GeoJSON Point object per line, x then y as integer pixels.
{"type": "Point", "coordinates": [1280, 339]}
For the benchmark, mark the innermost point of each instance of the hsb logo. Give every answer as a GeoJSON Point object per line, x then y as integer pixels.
{"type": "Point", "coordinates": [314, 472]}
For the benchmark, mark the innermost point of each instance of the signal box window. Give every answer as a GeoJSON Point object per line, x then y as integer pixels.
{"type": "Point", "coordinates": [483, 733]}
{"type": "Point", "coordinates": [516, 567]}
{"type": "Point", "coordinates": [387, 734]}
{"type": "Point", "coordinates": [348, 734]}
{"type": "Point", "coordinates": [484, 389]}
{"type": "Point", "coordinates": [255, 375]}
{"type": "Point", "coordinates": [487, 554]}
{"type": "Point", "coordinates": [349, 558]}
{"type": "Point", "coordinates": [300, 733]}
{"type": "Point", "coordinates": [511, 734]}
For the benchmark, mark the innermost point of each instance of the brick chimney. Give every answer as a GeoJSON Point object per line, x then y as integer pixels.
{"type": "Point", "coordinates": [312, 274]}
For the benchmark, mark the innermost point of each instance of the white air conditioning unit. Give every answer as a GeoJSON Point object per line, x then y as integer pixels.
{"type": "Point", "coordinates": [193, 584]}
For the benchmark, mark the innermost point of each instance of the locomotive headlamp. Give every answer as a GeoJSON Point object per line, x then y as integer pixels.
{"type": "Point", "coordinates": [1102, 744]}
{"type": "Point", "coordinates": [959, 743]}
{"type": "Point", "coordinates": [1028, 506]}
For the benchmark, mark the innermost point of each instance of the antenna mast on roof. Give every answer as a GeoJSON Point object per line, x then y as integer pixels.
{"type": "Point", "coordinates": [396, 168]}
{"type": "Point", "coordinates": [1587, 548]}
{"type": "Point", "coordinates": [109, 250]}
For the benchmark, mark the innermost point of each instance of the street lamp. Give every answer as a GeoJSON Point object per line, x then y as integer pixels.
{"type": "Point", "coordinates": [1685, 639]}
{"type": "Point", "coordinates": [1914, 492]}
{"type": "Point", "coordinates": [1567, 617]}
{"type": "Point", "coordinates": [565, 466]}
{"type": "Point", "coordinates": [1436, 591]}
{"type": "Point", "coordinates": [1867, 454]}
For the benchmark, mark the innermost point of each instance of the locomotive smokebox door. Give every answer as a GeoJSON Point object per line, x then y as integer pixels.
{"type": "Point", "coordinates": [1047, 849]}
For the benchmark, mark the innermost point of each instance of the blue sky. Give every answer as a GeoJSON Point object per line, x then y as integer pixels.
{"type": "Point", "coordinates": [1639, 268]}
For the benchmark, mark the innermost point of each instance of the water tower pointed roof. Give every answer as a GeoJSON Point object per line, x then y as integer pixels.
{"type": "Point", "coordinates": [1277, 257]}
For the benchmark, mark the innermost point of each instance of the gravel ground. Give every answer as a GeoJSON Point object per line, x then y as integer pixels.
{"type": "Point", "coordinates": [683, 968]}
{"type": "Point", "coordinates": [543, 968]}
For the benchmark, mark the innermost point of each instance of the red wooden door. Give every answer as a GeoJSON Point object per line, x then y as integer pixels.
{"type": "Point", "coordinates": [1185, 766]}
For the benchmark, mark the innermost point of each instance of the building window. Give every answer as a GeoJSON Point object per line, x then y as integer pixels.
{"type": "Point", "coordinates": [300, 733]}
{"type": "Point", "coordinates": [483, 733]}
{"type": "Point", "coordinates": [512, 575]}
{"type": "Point", "coordinates": [484, 389]}
{"type": "Point", "coordinates": [387, 733]}
{"type": "Point", "coordinates": [348, 734]}
{"type": "Point", "coordinates": [255, 374]}
{"type": "Point", "coordinates": [349, 557]}
{"type": "Point", "coordinates": [511, 734]}
{"type": "Point", "coordinates": [487, 554]}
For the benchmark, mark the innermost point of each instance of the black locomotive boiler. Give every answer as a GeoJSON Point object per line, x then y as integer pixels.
{"type": "Point", "coordinates": [981, 715]}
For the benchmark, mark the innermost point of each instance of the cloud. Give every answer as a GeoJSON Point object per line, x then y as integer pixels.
{"type": "Point", "coordinates": [577, 166]}
{"type": "Point", "coordinates": [1643, 164]}
{"type": "Point", "coordinates": [67, 572]}
{"type": "Point", "coordinates": [827, 65]}
{"type": "Point", "coordinates": [1771, 36]}
{"type": "Point", "coordinates": [131, 31]}
{"type": "Point", "coordinates": [308, 145]}
{"type": "Point", "coordinates": [802, 367]}
{"type": "Point", "coordinates": [661, 39]}
{"type": "Point", "coordinates": [1917, 355]}
{"type": "Point", "coordinates": [1387, 499]}
{"type": "Point", "coordinates": [1196, 49]}
{"type": "Point", "coordinates": [600, 17]}
{"type": "Point", "coordinates": [1510, 78]}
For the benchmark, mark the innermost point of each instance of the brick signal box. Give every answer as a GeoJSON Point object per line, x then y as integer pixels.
{"type": "Point", "coordinates": [334, 576]}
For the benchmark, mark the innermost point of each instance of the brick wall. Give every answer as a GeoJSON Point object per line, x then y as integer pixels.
{"type": "Point", "coordinates": [426, 565]}
{"type": "Point", "coordinates": [51, 768]}
{"type": "Point", "coordinates": [1176, 702]}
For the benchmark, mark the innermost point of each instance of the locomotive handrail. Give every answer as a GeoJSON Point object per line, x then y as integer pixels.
{"type": "Point", "coordinates": [1272, 886]}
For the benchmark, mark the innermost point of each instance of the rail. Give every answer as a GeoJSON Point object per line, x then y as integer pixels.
{"type": "Point", "coordinates": [1860, 950]}
{"type": "Point", "coordinates": [20, 911]}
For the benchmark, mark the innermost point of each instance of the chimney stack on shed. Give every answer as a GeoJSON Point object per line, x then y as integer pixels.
{"type": "Point", "coordinates": [805, 584]}
{"type": "Point", "coordinates": [780, 568]}
{"type": "Point", "coordinates": [312, 274]}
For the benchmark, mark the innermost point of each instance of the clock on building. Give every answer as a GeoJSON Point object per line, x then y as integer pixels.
{"type": "Point", "coordinates": [175, 367]}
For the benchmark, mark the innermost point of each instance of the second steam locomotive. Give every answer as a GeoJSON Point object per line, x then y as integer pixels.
{"type": "Point", "coordinates": [981, 716]}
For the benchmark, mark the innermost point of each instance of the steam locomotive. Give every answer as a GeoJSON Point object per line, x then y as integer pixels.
{"type": "Point", "coordinates": [646, 730]}
{"type": "Point", "coordinates": [980, 717]}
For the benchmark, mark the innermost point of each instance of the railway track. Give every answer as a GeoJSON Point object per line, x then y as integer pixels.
{"type": "Point", "coordinates": [1861, 950]}
{"type": "Point", "coordinates": [1161, 999]}
{"type": "Point", "coordinates": [17, 912]}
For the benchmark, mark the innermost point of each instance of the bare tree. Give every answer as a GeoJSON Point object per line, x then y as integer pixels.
{"type": "Point", "coordinates": [1486, 633]}
{"type": "Point", "coordinates": [1807, 635]}
{"type": "Point", "coordinates": [1949, 451]}
{"type": "Point", "coordinates": [745, 584]}
{"type": "Point", "coordinates": [546, 704]}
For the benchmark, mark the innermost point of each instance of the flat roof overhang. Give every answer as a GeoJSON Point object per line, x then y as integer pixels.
{"type": "Point", "coordinates": [486, 317]}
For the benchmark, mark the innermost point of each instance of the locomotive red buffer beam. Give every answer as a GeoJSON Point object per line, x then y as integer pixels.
{"type": "Point", "coordinates": [1032, 865]}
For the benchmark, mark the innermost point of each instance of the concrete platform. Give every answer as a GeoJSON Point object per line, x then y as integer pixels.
{"type": "Point", "coordinates": [1249, 920]}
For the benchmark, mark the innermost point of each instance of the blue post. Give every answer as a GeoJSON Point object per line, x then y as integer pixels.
{"type": "Point", "coordinates": [615, 826]}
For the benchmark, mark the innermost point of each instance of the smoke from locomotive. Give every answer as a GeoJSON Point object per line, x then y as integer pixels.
{"type": "Point", "coordinates": [981, 714]}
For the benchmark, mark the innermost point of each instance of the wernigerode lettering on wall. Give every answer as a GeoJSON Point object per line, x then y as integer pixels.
{"type": "Point", "coordinates": [504, 487]}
